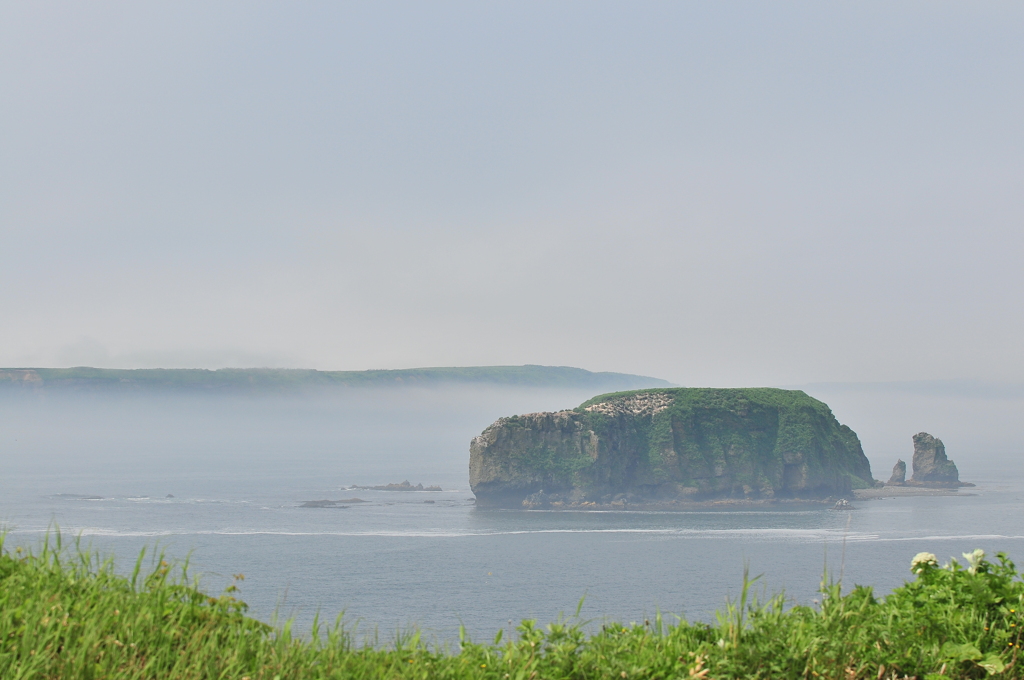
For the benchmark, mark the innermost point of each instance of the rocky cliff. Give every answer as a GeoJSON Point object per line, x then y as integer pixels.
{"type": "Point", "coordinates": [669, 445]}
{"type": "Point", "coordinates": [931, 466]}
{"type": "Point", "coordinates": [899, 474]}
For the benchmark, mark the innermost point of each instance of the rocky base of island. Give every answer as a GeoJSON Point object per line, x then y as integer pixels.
{"type": "Point", "coordinates": [902, 491]}
{"type": "Point", "coordinates": [631, 503]}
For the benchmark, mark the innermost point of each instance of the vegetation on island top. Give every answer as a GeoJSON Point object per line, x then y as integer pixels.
{"type": "Point", "coordinates": [68, 614]}
{"type": "Point", "coordinates": [804, 422]}
{"type": "Point", "coordinates": [286, 378]}
{"type": "Point", "coordinates": [724, 397]}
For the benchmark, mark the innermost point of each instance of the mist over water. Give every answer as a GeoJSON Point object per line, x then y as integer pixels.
{"type": "Point", "coordinates": [101, 466]}
{"type": "Point", "coordinates": [170, 442]}
{"type": "Point", "coordinates": [979, 422]}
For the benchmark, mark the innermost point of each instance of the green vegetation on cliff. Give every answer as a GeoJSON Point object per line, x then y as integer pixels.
{"type": "Point", "coordinates": [70, 616]}
{"type": "Point", "coordinates": [676, 443]}
{"type": "Point", "coordinates": [288, 379]}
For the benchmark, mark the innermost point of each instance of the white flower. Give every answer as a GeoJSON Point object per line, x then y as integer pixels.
{"type": "Point", "coordinates": [922, 560]}
{"type": "Point", "coordinates": [974, 558]}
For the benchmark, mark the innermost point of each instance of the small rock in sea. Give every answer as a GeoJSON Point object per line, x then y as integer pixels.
{"type": "Point", "coordinates": [170, 495]}
{"type": "Point", "coordinates": [931, 466]}
{"type": "Point", "coordinates": [429, 501]}
{"type": "Point", "coordinates": [899, 474]}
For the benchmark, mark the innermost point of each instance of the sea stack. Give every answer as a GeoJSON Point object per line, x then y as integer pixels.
{"type": "Point", "coordinates": [931, 467]}
{"type": "Point", "coordinates": [667, 446]}
{"type": "Point", "coordinates": [899, 474]}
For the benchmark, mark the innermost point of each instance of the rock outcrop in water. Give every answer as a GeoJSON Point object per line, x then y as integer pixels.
{"type": "Point", "coordinates": [899, 474]}
{"type": "Point", "coordinates": [666, 446]}
{"type": "Point", "coordinates": [402, 486]}
{"type": "Point", "coordinates": [931, 467]}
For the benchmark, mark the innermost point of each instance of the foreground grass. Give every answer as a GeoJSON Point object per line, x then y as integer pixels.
{"type": "Point", "coordinates": [66, 614]}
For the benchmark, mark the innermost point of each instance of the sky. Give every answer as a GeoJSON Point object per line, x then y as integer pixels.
{"type": "Point", "coordinates": [712, 193]}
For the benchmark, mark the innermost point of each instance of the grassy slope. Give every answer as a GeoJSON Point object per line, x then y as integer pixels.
{"type": "Point", "coordinates": [67, 615]}
{"type": "Point", "coordinates": [272, 378]}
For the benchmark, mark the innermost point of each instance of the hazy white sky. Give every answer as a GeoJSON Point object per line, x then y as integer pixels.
{"type": "Point", "coordinates": [713, 193]}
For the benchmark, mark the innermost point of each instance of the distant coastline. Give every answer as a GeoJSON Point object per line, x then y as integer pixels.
{"type": "Point", "coordinates": [287, 379]}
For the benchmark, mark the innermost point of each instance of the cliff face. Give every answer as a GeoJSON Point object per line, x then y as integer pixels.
{"type": "Point", "coordinates": [669, 444]}
{"type": "Point", "coordinates": [931, 466]}
{"type": "Point", "coordinates": [899, 474]}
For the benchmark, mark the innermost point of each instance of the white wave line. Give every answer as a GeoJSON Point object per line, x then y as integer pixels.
{"type": "Point", "coordinates": [959, 537]}
{"type": "Point", "coordinates": [806, 534]}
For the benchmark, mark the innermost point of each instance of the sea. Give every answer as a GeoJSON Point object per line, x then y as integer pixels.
{"type": "Point", "coordinates": [219, 482]}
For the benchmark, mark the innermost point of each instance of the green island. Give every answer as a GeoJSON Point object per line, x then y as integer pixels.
{"type": "Point", "coordinates": [669, 446]}
{"type": "Point", "coordinates": [69, 614]}
{"type": "Point", "coordinates": [251, 379]}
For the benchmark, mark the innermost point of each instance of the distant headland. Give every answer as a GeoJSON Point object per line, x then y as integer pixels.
{"type": "Point", "coordinates": [669, 447]}
{"type": "Point", "coordinates": [286, 379]}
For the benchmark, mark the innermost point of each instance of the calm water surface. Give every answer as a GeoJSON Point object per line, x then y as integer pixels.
{"type": "Point", "coordinates": [431, 558]}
